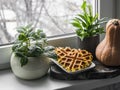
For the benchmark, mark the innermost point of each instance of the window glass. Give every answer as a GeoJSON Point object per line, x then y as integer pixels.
{"type": "Point", "coordinates": [53, 16]}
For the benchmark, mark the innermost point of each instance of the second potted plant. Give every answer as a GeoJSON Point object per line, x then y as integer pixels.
{"type": "Point", "coordinates": [30, 58]}
{"type": "Point", "coordinates": [88, 28]}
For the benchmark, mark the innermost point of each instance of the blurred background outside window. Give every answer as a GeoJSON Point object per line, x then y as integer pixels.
{"type": "Point", "coordinates": [53, 16]}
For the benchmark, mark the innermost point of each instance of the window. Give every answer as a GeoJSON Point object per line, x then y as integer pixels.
{"type": "Point", "coordinates": [53, 16]}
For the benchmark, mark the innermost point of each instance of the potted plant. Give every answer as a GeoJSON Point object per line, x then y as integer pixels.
{"type": "Point", "coordinates": [88, 28]}
{"type": "Point", "coordinates": [30, 58]}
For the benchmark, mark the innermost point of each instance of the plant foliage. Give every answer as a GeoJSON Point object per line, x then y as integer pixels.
{"type": "Point", "coordinates": [31, 43]}
{"type": "Point", "coordinates": [86, 23]}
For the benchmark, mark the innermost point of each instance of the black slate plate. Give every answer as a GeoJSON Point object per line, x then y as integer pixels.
{"type": "Point", "coordinates": [99, 72]}
{"type": "Point", "coordinates": [78, 71]}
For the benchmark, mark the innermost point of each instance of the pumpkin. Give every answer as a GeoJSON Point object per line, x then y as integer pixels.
{"type": "Point", "coordinates": [108, 51]}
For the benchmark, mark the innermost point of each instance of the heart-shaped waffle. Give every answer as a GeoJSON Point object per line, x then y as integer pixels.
{"type": "Point", "coordinates": [73, 59]}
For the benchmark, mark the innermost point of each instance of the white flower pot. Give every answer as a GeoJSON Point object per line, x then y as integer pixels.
{"type": "Point", "coordinates": [35, 68]}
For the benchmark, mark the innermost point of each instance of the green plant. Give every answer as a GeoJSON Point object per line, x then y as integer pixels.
{"type": "Point", "coordinates": [86, 23]}
{"type": "Point", "coordinates": [31, 43]}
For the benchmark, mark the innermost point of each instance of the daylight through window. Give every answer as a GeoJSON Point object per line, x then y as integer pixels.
{"type": "Point", "coordinates": [53, 16]}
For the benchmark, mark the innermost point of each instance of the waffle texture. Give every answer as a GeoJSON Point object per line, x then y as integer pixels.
{"type": "Point", "coordinates": [73, 59]}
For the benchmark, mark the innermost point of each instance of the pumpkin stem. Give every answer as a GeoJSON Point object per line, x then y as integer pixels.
{"type": "Point", "coordinates": [116, 23]}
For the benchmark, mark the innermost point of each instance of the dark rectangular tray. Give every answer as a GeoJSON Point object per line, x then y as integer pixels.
{"type": "Point", "coordinates": [99, 72]}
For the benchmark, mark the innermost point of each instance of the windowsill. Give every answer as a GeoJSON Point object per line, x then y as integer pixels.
{"type": "Point", "coordinates": [9, 82]}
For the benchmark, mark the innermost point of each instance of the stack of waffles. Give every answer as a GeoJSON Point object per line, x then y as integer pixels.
{"type": "Point", "coordinates": [73, 59]}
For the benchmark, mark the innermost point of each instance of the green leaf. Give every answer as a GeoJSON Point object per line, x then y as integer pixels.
{"type": "Point", "coordinates": [89, 9]}
{"type": "Point", "coordinates": [81, 37]}
{"type": "Point", "coordinates": [42, 35]}
{"type": "Point", "coordinates": [49, 48]}
{"type": "Point", "coordinates": [78, 32]}
{"type": "Point", "coordinates": [79, 20]}
{"type": "Point", "coordinates": [100, 30]}
{"type": "Point", "coordinates": [83, 17]}
{"type": "Point", "coordinates": [22, 28]}
{"type": "Point", "coordinates": [91, 19]}
{"type": "Point", "coordinates": [29, 26]}
{"type": "Point", "coordinates": [19, 54]}
{"type": "Point", "coordinates": [88, 19]}
{"type": "Point", "coordinates": [22, 37]}
{"type": "Point", "coordinates": [102, 20]}
{"type": "Point", "coordinates": [19, 30]}
{"type": "Point", "coordinates": [77, 24]}
{"type": "Point", "coordinates": [14, 47]}
{"type": "Point", "coordinates": [37, 35]}
{"type": "Point", "coordinates": [36, 51]}
{"type": "Point", "coordinates": [23, 61]}
{"type": "Point", "coordinates": [95, 17]}
{"type": "Point", "coordinates": [51, 54]}
{"type": "Point", "coordinates": [83, 6]}
{"type": "Point", "coordinates": [93, 26]}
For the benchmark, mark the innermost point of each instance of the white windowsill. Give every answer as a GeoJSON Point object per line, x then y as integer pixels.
{"type": "Point", "coordinates": [9, 82]}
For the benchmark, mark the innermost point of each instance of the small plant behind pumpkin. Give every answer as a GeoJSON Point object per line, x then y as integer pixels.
{"type": "Point", "coordinates": [86, 23]}
{"type": "Point", "coordinates": [31, 43]}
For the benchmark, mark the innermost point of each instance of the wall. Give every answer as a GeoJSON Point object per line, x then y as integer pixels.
{"type": "Point", "coordinates": [118, 9]}
{"type": "Point", "coordinates": [107, 8]}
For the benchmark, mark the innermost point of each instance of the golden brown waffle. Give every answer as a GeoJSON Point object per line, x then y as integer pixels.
{"type": "Point", "coordinates": [73, 59]}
